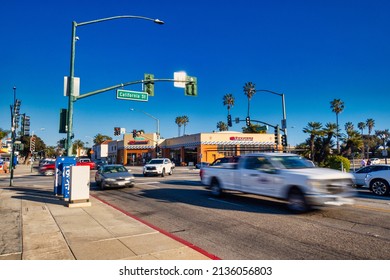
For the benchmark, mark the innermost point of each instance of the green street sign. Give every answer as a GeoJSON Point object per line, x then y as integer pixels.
{"type": "Point", "coordinates": [131, 95]}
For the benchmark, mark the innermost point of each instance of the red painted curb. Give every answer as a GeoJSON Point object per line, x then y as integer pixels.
{"type": "Point", "coordinates": [203, 252]}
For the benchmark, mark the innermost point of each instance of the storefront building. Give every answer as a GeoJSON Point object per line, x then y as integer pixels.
{"type": "Point", "coordinates": [206, 147]}
{"type": "Point", "coordinates": [136, 150]}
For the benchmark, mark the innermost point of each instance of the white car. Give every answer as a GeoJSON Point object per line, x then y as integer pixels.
{"type": "Point", "coordinates": [360, 174]}
{"type": "Point", "coordinates": [378, 182]}
{"type": "Point", "coordinates": [375, 161]}
{"type": "Point", "coordinates": [158, 166]}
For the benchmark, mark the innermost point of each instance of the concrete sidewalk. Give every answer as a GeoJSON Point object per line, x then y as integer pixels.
{"type": "Point", "coordinates": [36, 225]}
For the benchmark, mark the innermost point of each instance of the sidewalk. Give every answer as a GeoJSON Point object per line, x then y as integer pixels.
{"type": "Point", "coordinates": [36, 225]}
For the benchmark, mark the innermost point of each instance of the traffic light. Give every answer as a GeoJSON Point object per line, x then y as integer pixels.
{"type": "Point", "coordinates": [191, 88]}
{"type": "Point", "coordinates": [17, 106]}
{"type": "Point", "coordinates": [149, 84]}
{"type": "Point", "coordinates": [134, 133]}
{"type": "Point", "coordinates": [284, 140]}
{"type": "Point", "coordinates": [277, 135]}
{"type": "Point", "coordinates": [229, 120]}
{"type": "Point", "coordinates": [32, 144]}
{"type": "Point", "coordinates": [26, 125]}
{"type": "Point", "coordinates": [117, 131]}
{"type": "Point", "coordinates": [63, 126]}
{"type": "Point", "coordinates": [248, 121]}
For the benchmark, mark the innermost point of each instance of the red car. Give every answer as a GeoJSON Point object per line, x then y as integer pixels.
{"type": "Point", "coordinates": [47, 169]}
{"type": "Point", "coordinates": [86, 162]}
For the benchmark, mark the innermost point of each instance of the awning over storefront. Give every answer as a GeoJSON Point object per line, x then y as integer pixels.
{"type": "Point", "coordinates": [222, 143]}
{"type": "Point", "coordinates": [137, 147]}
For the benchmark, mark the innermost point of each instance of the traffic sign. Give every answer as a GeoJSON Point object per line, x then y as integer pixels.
{"type": "Point", "coordinates": [131, 95]}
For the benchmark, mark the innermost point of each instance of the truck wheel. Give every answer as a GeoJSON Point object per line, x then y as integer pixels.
{"type": "Point", "coordinates": [296, 201]}
{"type": "Point", "coordinates": [379, 187]}
{"type": "Point", "coordinates": [163, 172]}
{"type": "Point", "coordinates": [215, 188]}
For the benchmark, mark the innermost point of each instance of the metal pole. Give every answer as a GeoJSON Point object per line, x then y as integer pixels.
{"type": "Point", "coordinates": [72, 99]}
{"type": "Point", "coordinates": [69, 121]}
{"type": "Point", "coordinates": [13, 128]}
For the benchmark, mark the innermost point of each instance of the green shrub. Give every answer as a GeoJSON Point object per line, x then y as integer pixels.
{"type": "Point", "coordinates": [334, 162]}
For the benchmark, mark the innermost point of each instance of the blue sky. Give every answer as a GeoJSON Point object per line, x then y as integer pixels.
{"type": "Point", "coordinates": [312, 51]}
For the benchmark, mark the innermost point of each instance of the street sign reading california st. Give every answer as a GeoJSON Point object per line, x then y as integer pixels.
{"type": "Point", "coordinates": [131, 95]}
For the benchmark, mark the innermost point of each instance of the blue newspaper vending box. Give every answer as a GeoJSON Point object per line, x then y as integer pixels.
{"type": "Point", "coordinates": [62, 176]}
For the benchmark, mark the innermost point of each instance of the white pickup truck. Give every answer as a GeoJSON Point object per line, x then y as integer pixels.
{"type": "Point", "coordinates": [284, 176]}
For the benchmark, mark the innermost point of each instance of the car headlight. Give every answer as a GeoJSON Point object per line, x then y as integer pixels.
{"type": "Point", "coordinates": [315, 184]}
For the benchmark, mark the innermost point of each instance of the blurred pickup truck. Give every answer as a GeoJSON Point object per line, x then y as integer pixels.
{"type": "Point", "coordinates": [284, 176]}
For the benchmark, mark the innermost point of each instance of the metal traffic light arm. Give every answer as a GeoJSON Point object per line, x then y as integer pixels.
{"type": "Point", "coordinates": [121, 86]}
{"type": "Point", "coordinates": [259, 122]}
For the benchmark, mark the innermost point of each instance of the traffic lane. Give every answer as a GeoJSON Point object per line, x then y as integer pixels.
{"type": "Point", "coordinates": [249, 227]}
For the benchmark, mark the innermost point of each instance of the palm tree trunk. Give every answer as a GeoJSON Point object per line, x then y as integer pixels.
{"type": "Point", "coordinates": [337, 135]}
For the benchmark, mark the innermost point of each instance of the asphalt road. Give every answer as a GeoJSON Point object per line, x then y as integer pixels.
{"type": "Point", "coordinates": [247, 227]}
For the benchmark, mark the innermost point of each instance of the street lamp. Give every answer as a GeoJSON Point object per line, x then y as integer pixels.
{"type": "Point", "coordinates": [149, 115]}
{"type": "Point", "coordinates": [284, 120]}
{"type": "Point", "coordinates": [72, 99]}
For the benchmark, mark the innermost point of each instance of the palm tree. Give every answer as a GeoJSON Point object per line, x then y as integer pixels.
{"type": "Point", "coordinates": [337, 107]}
{"type": "Point", "coordinates": [370, 123]}
{"type": "Point", "coordinates": [228, 100]}
{"type": "Point", "coordinates": [77, 145]}
{"type": "Point", "coordinates": [100, 138]}
{"type": "Point", "coordinates": [361, 126]}
{"type": "Point", "coordinates": [179, 122]}
{"type": "Point", "coordinates": [3, 133]}
{"type": "Point", "coordinates": [327, 143]}
{"type": "Point", "coordinates": [314, 129]}
{"type": "Point", "coordinates": [349, 128]}
{"type": "Point", "coordinates": [249, 91]}
{"type": "Point", "coordinates": [222, 126]}
{"type": "Point", "coordinates": [185, 120]}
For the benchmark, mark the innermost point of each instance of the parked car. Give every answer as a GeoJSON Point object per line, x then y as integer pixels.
{"type": "Point", "coordinates": [360, 174]}
{"type": "Point", "coordinates": [100, 162]}
{"type": "Point", "coordinates": [86, 162]}
{"type": "Point", "coordinates": [47, 169]}
{"type": "Point", "coordinates": [378, 182]}
{"type": "Point", "coordinates": [158, 166]}
{"type": "Point", "coordinates": [201, 164]}
{"type": "Point", "coordinates": [114, 175]}
{"type": "Point", "coordinates": [375, 160]}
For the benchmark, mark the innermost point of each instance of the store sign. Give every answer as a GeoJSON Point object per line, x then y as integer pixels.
{"type": "Point", "coordinates": [239, 138]}
{"type": "Point", "coordinates": [138, 142]}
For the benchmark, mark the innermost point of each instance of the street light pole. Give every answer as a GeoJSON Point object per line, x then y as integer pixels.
{"type": "Point", "coordinates": [72, 98]}
{"type": "Point", "coordinates": [157, 121]}
{"type": "Point", "coordinates": [284, 120]}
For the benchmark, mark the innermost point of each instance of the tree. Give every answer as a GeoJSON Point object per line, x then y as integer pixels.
{"type": "Point", "coordinates": [337, 107]}
{"type": "Point", "coordinates": [370, 123]}
{"type": "Point", "coordinates": [77, 145]}
{"type": "Point", "coordinates": [327, 141]}
{"type": "Point", "coordinates": [3, 133]}
{"type": "Point", "coordinates": [222, 126]}
{"type": "Point", "coordinates": [361, 126]}
{"type": "Point", "coordinates": [228, 100]}
{"type": "Point", "coordinates": [349, 128]}
{"type": "Point", "coordinates": [314, 129]}
{"type": "Point", "coordinates": [249, 91]}
{"type": "Point", "coordinates": [185, 120]}
{"type": "Point", "coordinates": [253, 128]}
{"type": "Point", "coordinates": [179, 122]}
{"type": "Point", "coordinates": [100, 138]}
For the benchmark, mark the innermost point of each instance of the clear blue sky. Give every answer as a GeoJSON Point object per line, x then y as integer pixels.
{"type": "Point", "coordinates": [312, 51]}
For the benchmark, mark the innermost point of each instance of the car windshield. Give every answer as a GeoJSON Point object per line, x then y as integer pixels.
{"type": "Point", "coordinates": [114, 169]}
{"type": "Point", "coordinates": [156, 161]}
{"type": "Point", "coordinates": [291, 162]}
